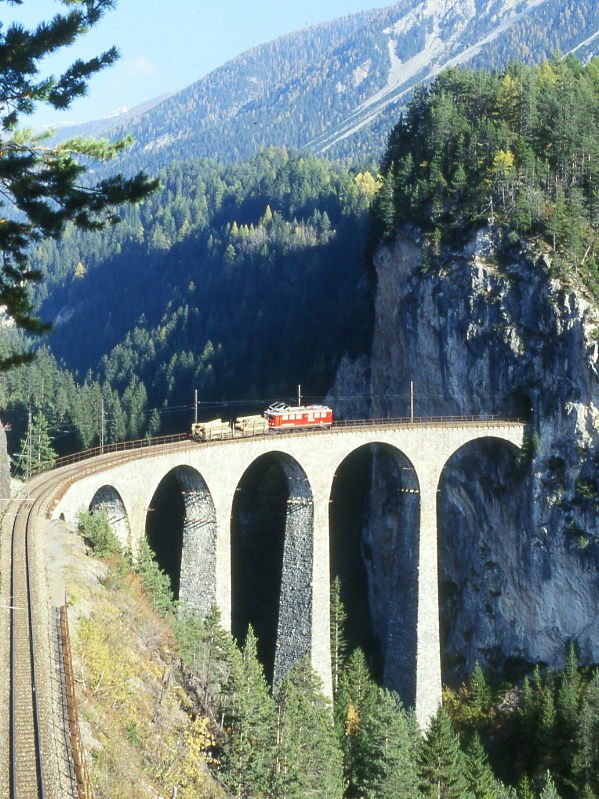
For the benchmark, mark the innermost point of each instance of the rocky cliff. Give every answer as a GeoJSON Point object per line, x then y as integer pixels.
{"type": "Point", "coordinates": [490, 331]}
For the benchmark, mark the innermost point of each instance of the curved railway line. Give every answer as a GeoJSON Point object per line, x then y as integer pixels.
{"type": "Point", "coordinates": [26, 767]}
{"type": "Point", "coordinates": [28, 749]}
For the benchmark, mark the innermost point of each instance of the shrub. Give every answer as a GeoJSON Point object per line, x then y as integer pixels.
{"type": "Point", "coordinates": [156, 583]}
{"type": "Point", "coordinates": [96, 530]}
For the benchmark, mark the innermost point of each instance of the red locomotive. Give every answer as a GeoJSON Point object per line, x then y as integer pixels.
{"type": "Point", "coordinates": [282, 417]}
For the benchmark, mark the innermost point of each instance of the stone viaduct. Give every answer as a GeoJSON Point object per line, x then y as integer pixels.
{"type": "Point", "coordinates": [208, 476]}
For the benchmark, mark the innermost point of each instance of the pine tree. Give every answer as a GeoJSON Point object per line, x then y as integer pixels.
{"type": "Point", "coordinates": [153, 425]}
{"type": "Point", "coordinates": [546, 729]}
{"type": "Point", "coordinates": [525, 723]}
{"type": "Point", "coordinates": [525, 790]}
{"type": "Point", "coordinates": [356, 687]}
{"type": "Point", "coordinates": [478, 772]}
{"type": "Point", "coordinates": [388, 738]}
{"type": "Point", "coordinates": [308, 760]}
{"type": "Point", "coordinates": [567, 716]}
{"type": "Point", "coordinates": [42, 182]}
{"type": "Point", "coordinates": [549, 790]}
{"type": "Point", "coordinates": [440, 761]}
{"type": "Point", "coordinates": [207, 650]}
{"type": "Point", "coordinates": [384, 206]}
{"type": "Point", "coordinates": [355, 700]}
{"type": "Point", "coordinates": [36, 452]}
{"type": "Point", "coordinates": [338, 640]}
{"type": "Point", "coordinates": [248, 751]}
{"type": "Point", "coordinates": [585, 764]}
{"type": "Point", "coordinates": [480, 698]}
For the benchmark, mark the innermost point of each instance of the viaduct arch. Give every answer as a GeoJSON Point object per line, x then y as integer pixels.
{"type": "Point", "coordinates": [108, 501]}
{"type": "Point", "coordinates": [208, 476]}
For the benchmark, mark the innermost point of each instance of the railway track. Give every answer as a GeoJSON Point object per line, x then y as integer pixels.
{"type": "Point", "coordinates": [26, 771]}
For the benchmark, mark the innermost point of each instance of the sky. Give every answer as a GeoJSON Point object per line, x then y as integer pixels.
{"type": "Point", "coordinates": [167, 44]}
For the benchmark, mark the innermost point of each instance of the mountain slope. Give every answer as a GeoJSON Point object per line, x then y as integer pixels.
{"type": "Point", "coordinates": [337, 88]}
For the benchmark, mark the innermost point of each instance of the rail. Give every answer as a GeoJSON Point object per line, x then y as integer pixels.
{"type": "Point", "coordinates": [25, 737]}
{"type": "Point", "coordinates": [26, 742]}
{"type": "Point", "coordinates": [84, 788]}
{"type": "Point", "coordinates": [404, 421]}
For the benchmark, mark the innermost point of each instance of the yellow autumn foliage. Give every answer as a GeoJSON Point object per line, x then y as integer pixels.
{"type": "Point", "coordinates": [352, 720]}
{"type": "Point", "coordinates": [184, 758]}
{"type": "Point", "coordinates": [504, 163]}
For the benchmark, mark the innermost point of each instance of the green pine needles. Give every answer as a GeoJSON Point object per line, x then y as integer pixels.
{"type": "Point", "coordinates": [517, 149]}
{"type": "Point", "coordinates": [43, 186]}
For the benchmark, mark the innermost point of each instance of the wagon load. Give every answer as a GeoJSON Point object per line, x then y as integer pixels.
{"type": "Point", "coordinates": [207, 431]}
{"type": "Point", "coordinates": [251, 425]}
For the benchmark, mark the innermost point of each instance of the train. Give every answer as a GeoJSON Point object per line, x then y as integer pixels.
{"type": "Point", "coordinates": [277, 418]}
{"type": "Point", "coordinates": [283, 418]}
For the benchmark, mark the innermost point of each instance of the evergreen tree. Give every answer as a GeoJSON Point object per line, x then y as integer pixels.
{"type": "Point", "coordinates": [586, 759]}
{"type": "Point", "coordinates": [546, 728]}
{"type": "Point", "coordinates": [384, 207]}
{"type": "Point", "coordinates": [440, 761]}
{"type": "Point", "coordinates": [480, 696]}
{"type": "Point", "coordinates": [525, 723]}
{"type": "Point", "coordinates": [567, 717]}
{"type": "Point", "coordinates": [355, 700]}
{"type": "Point", "coordinates": [36, 452]}
{"type": "Point", "coordinates": [308, 760]}
{"type": "Point", "coordinates": [45, 183]}
{"type": "Point", "coordinates": [478, 772]}
{"type": "Point", "coordinates": [248, 750]}
{"type": "Point", "coordinates": [388, 738]}
{"type": "Point", "coordinates": [153, 425]}
{"type": "Point", "coordinates": [207, 650]}
{"type": "Point", "coordinates": [356, 687]}
{"type": "Point", "coordinates": [549, 790]}
{"type": "Point", "coordinates": [525, 790]}
{"type": "Point", "coordinates": [156, 583]}
{"type": "Point", "coordinates": [338, 640]}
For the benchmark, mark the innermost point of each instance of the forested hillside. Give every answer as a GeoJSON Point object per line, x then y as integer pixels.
{"type": "Point", "coordinates": [238, 281]}
{"type": "Point", "coordinates": [337, 88]}
{"type": "Point", "coordinates": [518, 149]}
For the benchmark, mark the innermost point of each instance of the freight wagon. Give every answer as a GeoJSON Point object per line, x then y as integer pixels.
{"type": "Point", "coordinates": [207, 431]}
{"type": "Point", "coordinates": [251, 425]}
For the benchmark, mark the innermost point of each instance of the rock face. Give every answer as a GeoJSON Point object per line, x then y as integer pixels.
{"type": "Point", "coordinates": [492, 332]}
